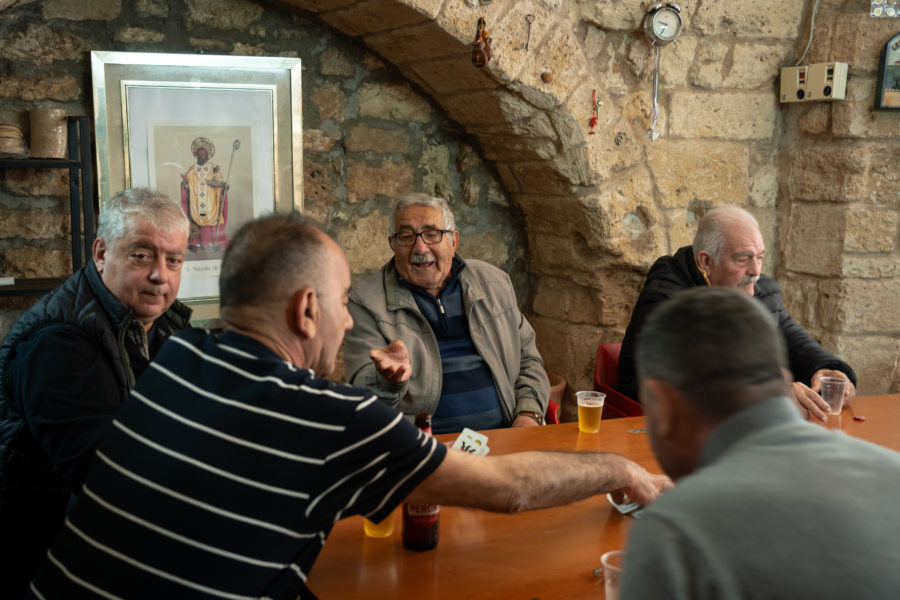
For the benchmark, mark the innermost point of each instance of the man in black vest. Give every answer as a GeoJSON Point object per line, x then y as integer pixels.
{"type": "Point", "coordinates": [69, 362]}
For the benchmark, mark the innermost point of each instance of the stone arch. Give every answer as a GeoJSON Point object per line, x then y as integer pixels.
{"type": "Point", "coordinates": [587, 198]}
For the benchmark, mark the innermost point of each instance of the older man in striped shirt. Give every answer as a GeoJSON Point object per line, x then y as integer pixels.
{"type": "Point", "coordinates": [233, 458]}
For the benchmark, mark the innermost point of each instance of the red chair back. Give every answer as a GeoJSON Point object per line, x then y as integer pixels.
{"type": "Point", "coordinates": [606, 369]}
{"type": "Point", "coordinates": [552, 416]}
{"type": "Point", "coordinates": [557, 389]}
{"type": "Point", "coordinates": [606, 373]}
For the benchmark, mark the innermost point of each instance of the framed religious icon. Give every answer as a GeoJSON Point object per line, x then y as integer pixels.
{"type": "Point", "coordinates": [222, 134]}
{"type": "Point", "coordinates": [887, 90]}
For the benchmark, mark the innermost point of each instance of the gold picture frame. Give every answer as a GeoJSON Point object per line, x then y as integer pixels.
{"type": "Point", "coordinates": [154, 112]}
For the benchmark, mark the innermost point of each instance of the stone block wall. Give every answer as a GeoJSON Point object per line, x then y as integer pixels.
{"type": "Point", "coordinates": [840, 205]}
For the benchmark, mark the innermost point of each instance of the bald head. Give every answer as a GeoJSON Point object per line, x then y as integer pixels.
{"type": "Point", "coordinates": [286, 283]}
{"type": "Point", "coordinates": [271, 257]}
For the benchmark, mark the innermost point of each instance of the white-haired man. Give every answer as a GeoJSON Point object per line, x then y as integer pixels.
{"type": "Point", "coordinates": [68, 363]}
{"type": "Point", "coordinates": [728, 250]}
{"type": "Point", "coordinates": [441, 335]}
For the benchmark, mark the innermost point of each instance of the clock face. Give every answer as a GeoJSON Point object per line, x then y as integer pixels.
{"type": "Point", "coordinates": [666, 24]}
{"type": "Point", "coordinates": [663, 23]}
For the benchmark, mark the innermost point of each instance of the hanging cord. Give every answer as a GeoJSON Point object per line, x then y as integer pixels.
{"type": "Point", "coordinates": [812, 31]}
{"type": "Point", "coordinates": [653, 134]}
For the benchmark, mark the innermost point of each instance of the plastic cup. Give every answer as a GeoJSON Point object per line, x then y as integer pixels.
{"type": "Point", "coordinates": [590, 410]}
{"type": "Point", "coordinates": [833, 393]}
{"type": "Point", "coordinates": [612, 573]}
{"type": "Point", "coordinates": [381, 529]}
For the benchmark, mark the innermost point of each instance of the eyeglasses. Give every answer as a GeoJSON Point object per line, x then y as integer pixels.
{"type": "Point", "coordinates": [429, 236]}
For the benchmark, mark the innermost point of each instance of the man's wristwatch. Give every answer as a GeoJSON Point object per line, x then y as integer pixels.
{"type": "Point", "coordinates": [538, 417]}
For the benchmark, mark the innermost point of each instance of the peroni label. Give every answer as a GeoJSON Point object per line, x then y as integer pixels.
{"type": "Point", "coordinates": [423, 515]}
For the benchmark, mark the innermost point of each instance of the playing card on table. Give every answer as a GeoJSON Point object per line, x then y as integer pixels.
{"type": "Point", "coordinates": [472, 442]}
{"type": "Point", "coordinates": [627, 507]}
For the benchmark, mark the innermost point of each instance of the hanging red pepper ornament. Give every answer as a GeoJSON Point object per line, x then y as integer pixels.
{"type": "Point", "coordinates": [595, 110]}
{"type": "Point", "coordinates": [481, 48]}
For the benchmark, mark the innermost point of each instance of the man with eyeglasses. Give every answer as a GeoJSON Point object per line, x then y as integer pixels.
{"type": "Point", "coordinates": [434, 333]}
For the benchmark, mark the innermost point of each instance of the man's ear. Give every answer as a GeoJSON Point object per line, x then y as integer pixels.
{"type": "Point", "coordinates": [677, 421]}
{"type": "Point", "coordinates": [665, 406]}
{"type": "Point", "coordinates": [303, 313]}
{"type": "Point", "coordinates": [671, 412]}
{"type": "Point", "coordinates": [704, 260]}
{"type": "Point", "coordinates": [98, 253]}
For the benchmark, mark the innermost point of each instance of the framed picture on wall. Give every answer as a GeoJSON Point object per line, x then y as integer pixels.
{"type": "Point", "coordinates": [887, 90]}
{"type": "Point", "coordinates": [222, 134]}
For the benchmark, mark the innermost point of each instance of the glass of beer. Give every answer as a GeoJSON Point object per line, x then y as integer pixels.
{"type": "Point", "coordinates": [590, 408]}
{"type": "Point", "coordinates": [381, 529]}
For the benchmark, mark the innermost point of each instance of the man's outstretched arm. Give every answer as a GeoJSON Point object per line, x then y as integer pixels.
{"type": "Point", "coordinates": [531, 480]}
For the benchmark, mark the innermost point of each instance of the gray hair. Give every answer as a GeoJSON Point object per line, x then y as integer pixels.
{"type": "Point", "coordinates": [147, 204]}
{"type": "Point", "coordinates": [271, 257]}
{"type": "Point", "coordinates": [717, 347]}
{"type": "Point", "coordinates": [418, 199]}
{"type": "Point", "coordinates": [713, 228]}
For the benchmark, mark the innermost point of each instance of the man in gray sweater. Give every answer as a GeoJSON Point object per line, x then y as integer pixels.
{"type": "Point", "coordinates": [766, 505]}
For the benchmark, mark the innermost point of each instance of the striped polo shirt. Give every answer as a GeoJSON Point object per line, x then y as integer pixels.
{"type": "Point", "coordinates": [224, 473]}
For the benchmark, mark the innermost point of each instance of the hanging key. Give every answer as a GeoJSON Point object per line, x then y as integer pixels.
{"type": "Point", "coordinates": [530, 19]}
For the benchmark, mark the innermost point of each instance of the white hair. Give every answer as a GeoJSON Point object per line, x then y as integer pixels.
{"type": "Point", "coordinates": [714, 226]}
{"type": "Point", "coordinates": [418, 199]}
{"type": "Point", "coordinates": [148, 204]}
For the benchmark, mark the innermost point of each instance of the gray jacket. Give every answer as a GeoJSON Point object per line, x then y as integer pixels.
{"type": "Point", "coordinates": [384, 311]}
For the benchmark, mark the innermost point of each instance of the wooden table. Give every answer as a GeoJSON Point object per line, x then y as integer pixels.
{"type": "Point", "coordinates": [547, 554]}
{"type": "Point", "coordinates": [882, 420]}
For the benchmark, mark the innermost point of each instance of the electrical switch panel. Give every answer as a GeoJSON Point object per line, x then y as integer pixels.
{"type": "Point", "coordinates": [827, 81]}
{"type": "Point", "coordinates": [814, 83]}
{"type": "Point", "coordinates": [793, 84]}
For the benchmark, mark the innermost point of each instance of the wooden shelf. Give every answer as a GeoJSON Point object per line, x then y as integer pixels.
{"type": "Point", "coordinates": [81, 203]}
{"type": "Point", "coordinates": [31, 287]}
{"type": "Point", "coordinates": [39, 163]}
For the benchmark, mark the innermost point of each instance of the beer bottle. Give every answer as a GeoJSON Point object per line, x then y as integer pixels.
{"type": "Point", "coordinates": [421, 522]}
